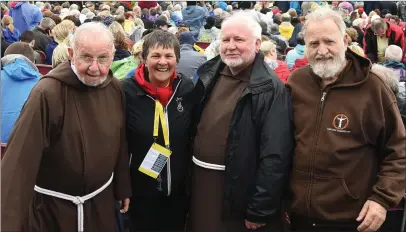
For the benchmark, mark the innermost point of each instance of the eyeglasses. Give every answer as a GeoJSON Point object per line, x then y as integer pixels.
{"type": "Point", "coordinates": [100, 60]}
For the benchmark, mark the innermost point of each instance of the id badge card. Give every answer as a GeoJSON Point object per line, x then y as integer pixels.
{"type": "Point", "coordinates": [155, 160]}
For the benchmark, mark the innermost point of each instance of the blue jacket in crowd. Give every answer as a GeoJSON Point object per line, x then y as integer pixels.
{"type": "Point", "coordinates": [26, 16]}
{"type": "Point", "coordinates": [18, 77]}
{"type": "Point", "coordinates": [11, 37]}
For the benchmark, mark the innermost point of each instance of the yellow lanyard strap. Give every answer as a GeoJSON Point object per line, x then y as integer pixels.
{"type": "Point", "coordinates": [159, 116]}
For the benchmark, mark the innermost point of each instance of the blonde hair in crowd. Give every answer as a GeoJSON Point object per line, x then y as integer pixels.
{"type": "Point", "coordinates": [61, 33]}
{"type": "Point", "coordinates": [8, 22]}
{"type": "Point", "coordinates": [357, 49]}
{"type": "Point", "coordinates": [60, 54]}
{"type": "Point", "coordinates": [267, 46]}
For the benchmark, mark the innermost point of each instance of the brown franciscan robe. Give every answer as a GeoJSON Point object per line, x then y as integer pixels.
{"type": "Point", "coordinates": [69, 138]}
{"type": "Point", "coordinates": [210, 147]}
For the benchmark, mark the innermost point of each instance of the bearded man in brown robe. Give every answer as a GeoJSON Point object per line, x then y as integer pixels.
{"type": "Point", "coordinates": [66, 161]}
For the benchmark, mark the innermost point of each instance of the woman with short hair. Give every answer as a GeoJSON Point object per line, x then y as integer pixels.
{"type": "Point", "coordinates": [159, 106]}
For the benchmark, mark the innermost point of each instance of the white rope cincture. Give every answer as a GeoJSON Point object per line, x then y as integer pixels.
{"type": "Point", "coordinates": [79, 201]}
{"type": "Point", "coordinates": [208, 165]}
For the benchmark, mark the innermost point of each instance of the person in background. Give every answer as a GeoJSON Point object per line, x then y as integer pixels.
{"type": "Point", "coordinates": [393, 221]}
{"type": "Point", "coordinates": [10, 33]}
{"type": "Point", "coordinates": [60, 54]}
{"type": "Point", "coordinates": [177, 14]}
{"type": "Point", "coordinates": [275, 35]}
{"type": "Point", "coordinates": [393, 60]}
{"type": "Point", "coordinates": [25, 15]}
{"type": "Point", "coordinates": [43, 34]}
{"type": "Point", "coordinates": [155, 88]}
{"type": "Point", "coordinates": [190, 60]}
{"type": "Point", "coordinates": [209, 32]}
{"type": "Point", "coordinates": [121, 68]}
{"type": "Point", "coordinates": [60, 34]}
{"type": "Point", "coordinates": [4, 43]}
{"type": "Point", "coordinates": [138, 30]}
{"type": "Point", "coordinates": [286, 28]}
{"type": "Point", "coordinates": [18, 77]}
{"type": "Point", "coordinates": [396, 20]}
{"type": "Point", "coordinates": [211, 51]}
{"type": "Point", "coordinates": [279, 67]}
{"type": "Point", "coordinates": [296, 31]}
{"type": "Point", "coordinates": [356, 24]}
{"type": "Point", "coordinates": [194, 16]}
{"type": "Point", "coordinates": [162, 24]}
{"type": "Point", "coordinates": [296, 53]}
{"type": "Point", "coordinates": [29, 38]}
{"type": "Point", "coordinates": [331, 141]}
{"type": "Point", "coordinates": [379, 36]}
{"type": "Point", "coordinates": [120, 41]}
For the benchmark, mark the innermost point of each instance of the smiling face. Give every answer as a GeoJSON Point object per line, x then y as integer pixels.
{"type": "Point", "coordinates": [325, 48]}
{"type": "Point", "coordinates": [92, 60]}
{"type": "Point", "coordinates": [161, 64]}
{"type": "Point", "coordinates": [238, 47]}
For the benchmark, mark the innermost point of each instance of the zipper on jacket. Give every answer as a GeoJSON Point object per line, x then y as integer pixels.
{"type": "Point", "coordinates": [313, 157]}
{"type": "Point", "coordinates": [168, 164]}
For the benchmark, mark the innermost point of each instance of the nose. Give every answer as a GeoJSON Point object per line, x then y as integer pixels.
{"type": "Point", "coordinates": [231, 45]}
{"type": "Point", "coordinates": [162, 61]}
{"type": "Point", "coordinates": [322, 50]}
{"type": "Point", "coordinates": [94, 66]}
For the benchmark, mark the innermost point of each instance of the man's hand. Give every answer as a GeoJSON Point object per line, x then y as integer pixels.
{"type": "Point", "coordinates": [253, 225]}
{"type": "Point", "coordinates": [372, 216]}
{"type": "Point", "coordinates": [124, 208]}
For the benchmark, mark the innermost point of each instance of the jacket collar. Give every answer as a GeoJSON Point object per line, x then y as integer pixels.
{"type": "Point", "coordinates": [260, 76]}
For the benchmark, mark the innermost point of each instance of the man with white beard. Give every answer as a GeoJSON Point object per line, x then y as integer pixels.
{"type": "Point", "coordinates": [244, 140]}
{"type": "Point", "coordinates": [349, 162]}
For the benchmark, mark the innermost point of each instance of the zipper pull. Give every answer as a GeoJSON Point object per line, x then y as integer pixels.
{"type": "Point", "coordinates": [323, 97]}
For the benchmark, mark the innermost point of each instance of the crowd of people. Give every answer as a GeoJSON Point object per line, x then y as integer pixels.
{"type": "Point", "coordinates": [203, 116]}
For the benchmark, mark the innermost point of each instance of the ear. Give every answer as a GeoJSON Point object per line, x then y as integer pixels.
{"type": "Point", "coordinates": [257, 45]}
{"type": "Point", "coordinates": [346, 39]}
{"type": "Point", "coordinates": [32, 43]}
{"type": "Point", "coordinates": [70, 52]}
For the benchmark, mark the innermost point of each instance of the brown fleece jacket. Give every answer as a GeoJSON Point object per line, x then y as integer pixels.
{"type": "Point", "coordinates": [350, 143]}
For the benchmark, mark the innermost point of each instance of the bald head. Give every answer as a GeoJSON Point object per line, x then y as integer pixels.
{"type": "Point", "coordinates": [92, 31]}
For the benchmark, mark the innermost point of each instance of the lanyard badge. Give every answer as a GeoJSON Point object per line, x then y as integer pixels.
{"type": "Point", "coordinates": [158, 155]}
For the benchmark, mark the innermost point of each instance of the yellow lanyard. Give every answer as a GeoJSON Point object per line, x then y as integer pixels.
{"type": "Point", "coordinates": [159, 115]}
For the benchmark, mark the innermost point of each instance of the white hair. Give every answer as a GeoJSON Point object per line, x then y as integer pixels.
{"type": "Point", "coordinates": [323, 13]}
{"type": "Point", "coordinates": [247, 18]}
{"type": "Point", "coordinates": [85, 11]}
{"type": "Point", "coordinates": [357, 22]}
{"type": "Point", "coordinates": [229, 8]}
{"type": "Point", "coordinates": [217, 11]}
{"type": "Point", "coordinates": [177, 7]}
{"type": "Point", "coordinates": [137, 8]}
{"type": "Point", "coordinates": [393, 53]}
{"type": "Point", "coordinates": [73, 7]}
{"type": "Point", "coordinates": [92, 31]}
{"type": "Point", "coordinates": [75, 13]}
{"type": "Point", "coordinates": [388, 76]}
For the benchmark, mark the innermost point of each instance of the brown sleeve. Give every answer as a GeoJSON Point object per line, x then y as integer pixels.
{"type": "Point", "coordinates": [122, 183]}
{"type": "Point", "coordinates": [30, 136]}
{"type": "Point", "coordinates": [390, 186]}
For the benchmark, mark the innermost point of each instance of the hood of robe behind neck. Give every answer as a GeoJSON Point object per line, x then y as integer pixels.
{"type": "Point", "coordinates": [65, 74]}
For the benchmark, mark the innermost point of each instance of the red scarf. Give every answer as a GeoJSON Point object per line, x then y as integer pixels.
{"type": "Point", "coordinates": [162, 94]}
